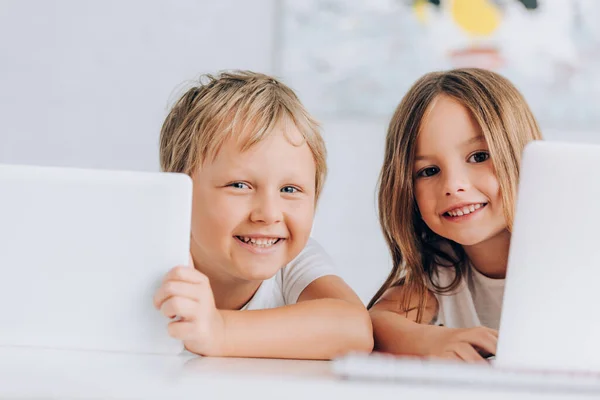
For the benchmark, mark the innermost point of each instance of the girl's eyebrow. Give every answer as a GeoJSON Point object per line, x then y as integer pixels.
{"type": "Point", "coordinates": [473, 140]}
{"type": "Point", "coordinates": [468, 142]}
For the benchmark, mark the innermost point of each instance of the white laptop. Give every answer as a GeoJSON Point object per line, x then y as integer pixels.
{"type": "Point", "coordinates": [549, 329]}
{"type": "Point", "coordinates": [82, 253]}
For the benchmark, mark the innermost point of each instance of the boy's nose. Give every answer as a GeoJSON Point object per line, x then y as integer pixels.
{"type": "Point", "coordinates": [266, 210]}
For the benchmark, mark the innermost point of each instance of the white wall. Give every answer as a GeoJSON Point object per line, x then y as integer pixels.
{"type": "Point", "coordinates": [346, 222]}
{"type": "Point", "coordinates": [88, 84]}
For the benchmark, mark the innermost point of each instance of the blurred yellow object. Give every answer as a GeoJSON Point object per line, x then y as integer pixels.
{"type": "Point", "coordinates": [476, 17]}
{"type": "Point", "coordinates": [420, 7]}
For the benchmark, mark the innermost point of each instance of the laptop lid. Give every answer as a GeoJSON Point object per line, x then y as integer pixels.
{"type": "Point", "coordinates": [550, 302]}
{"type": "Point", "coordinates": [82, 253]}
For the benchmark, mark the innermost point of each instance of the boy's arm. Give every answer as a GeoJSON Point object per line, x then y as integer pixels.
{"type": "Point", "coordinates": [328, 320]}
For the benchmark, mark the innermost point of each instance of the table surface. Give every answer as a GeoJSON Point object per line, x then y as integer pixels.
{"type": "Point", "coordinates": [29, 372]}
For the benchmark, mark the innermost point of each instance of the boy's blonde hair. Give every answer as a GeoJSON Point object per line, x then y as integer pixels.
{"type": "Point", "coordinates": [241, 104]}
{"type": "Point", "coordinates": [507, 124]}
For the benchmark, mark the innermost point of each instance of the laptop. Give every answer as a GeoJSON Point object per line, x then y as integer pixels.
{"type": "Point", "coordinates": [82, 253]}
{"type": "Point", "coordinates": [549, 333]}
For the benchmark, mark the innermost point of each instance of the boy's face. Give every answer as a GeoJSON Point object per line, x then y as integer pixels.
{"type": "Point", "coordinates": [253, 211]}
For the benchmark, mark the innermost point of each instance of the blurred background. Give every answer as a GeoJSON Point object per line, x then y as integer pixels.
{"type": "Point", "coordinates": [88, 83]}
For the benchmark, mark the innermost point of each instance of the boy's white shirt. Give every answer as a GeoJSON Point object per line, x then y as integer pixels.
{"type": "Point", "coordinates": [287, 284]}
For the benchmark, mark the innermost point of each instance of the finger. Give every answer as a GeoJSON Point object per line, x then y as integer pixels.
{"type": "Point", "coordinates": [177, 288]}
{"type": "Point", "coordinates": [481, 339]}
{"type": "Point", "coordinates": [467, 353]}
{"type": "Point", "coordinates": [182, 307]}
{"type": "Point", "coordinates": [181, 330]}
{"type": "Point", "coordinates": [449, 355]}
{"type": "Point", "coordinates": [491, 331]}
{"type": "Point", "coordinates": [186, 274]}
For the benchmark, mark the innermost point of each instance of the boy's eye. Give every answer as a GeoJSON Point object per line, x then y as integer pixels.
{"type": "Point", "coordinates": [429, 171]}
{"type": "Point", "coordinates": [289, 189]}
{"type": "Point", "coordinates": [239, 185]}
{"type": "Point", "coordinates": [479, 157]}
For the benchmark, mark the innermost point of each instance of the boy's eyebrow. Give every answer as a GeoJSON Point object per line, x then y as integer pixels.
{"type": "Point", "coordinates": [473, 140]}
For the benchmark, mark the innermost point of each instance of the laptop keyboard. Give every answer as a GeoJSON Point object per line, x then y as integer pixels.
{"type": "Point", "coordinates": [385, 367]}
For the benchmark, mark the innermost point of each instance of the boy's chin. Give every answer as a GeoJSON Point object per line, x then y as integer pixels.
{"type": "Point", "coordinates": [259, 273]}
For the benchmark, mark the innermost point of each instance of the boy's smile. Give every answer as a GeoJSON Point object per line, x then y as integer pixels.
{"type": "Point", "coordinates": [259, 244]}
{"type": "Point", "coordinates": [253, 209]}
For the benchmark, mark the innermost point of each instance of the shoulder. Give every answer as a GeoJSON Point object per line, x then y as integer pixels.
{"type": "Point", "coordinates": [312, 255]}
{"type": "Point", "coordinates": [314, 247]}
{"type": "Point", "coordinates": [312, 263]}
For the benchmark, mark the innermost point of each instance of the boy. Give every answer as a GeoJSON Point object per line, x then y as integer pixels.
{"type": "Point", "coordinates": [259, 286]}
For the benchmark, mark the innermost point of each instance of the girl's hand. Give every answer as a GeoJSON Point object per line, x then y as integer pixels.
{"type": "Point", "coordinates": [186, 297]}
{"type": "Point", "coordinates": [469, 344]}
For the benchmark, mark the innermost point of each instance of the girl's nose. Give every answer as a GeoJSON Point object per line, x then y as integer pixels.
{"type": "Point", "coordinates": [455, 183]}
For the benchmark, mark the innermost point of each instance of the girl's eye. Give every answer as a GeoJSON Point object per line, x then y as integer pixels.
{"type": "Point", "coordinates": [239, 185]}
{"type": "Point", "coordinates": [479, 157]}
{"type": "Point", "coordinates": [429, 171]}
{"type": "Point", "coordinates": [289, 189]}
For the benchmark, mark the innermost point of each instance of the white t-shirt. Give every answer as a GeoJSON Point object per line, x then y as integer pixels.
{"type": "Point", "coordinates": [287, 284]}
{"type": "Point", "coordinates": [475, 302]}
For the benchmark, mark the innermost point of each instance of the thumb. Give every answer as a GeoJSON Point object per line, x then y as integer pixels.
{"type": "Point", "coordinates": [191, 261]}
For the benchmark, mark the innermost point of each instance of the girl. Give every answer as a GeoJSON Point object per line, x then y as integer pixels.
{"type": "Point", "coordinates": [446, 202]}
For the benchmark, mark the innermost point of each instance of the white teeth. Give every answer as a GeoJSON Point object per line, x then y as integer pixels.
{"type": "Point", "coordinates": [464, 210]}
{"type": "Point", "coordinates": [259, 242]}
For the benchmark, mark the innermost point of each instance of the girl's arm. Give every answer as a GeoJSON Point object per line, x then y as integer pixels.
{"type": "Point", "coordinates": [398, 332]}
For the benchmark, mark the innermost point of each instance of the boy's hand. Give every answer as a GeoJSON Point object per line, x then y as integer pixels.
{"type": "Point", "coordinates": [468, 344]}
{"type": "Point", "coordinates": [185, 296]}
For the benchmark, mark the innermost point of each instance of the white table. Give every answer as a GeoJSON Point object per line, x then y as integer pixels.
{"type": "Point", "coordinates": [42, 373]}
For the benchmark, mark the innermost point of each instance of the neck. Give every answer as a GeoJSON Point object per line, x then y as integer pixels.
{"type": "Point", "coordinates": [230, 293]}
{"type": "Point", "coordinates": [491, 256]}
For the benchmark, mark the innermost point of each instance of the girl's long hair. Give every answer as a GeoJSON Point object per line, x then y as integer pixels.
{"type": "Point", "coordinates": [507, 124]}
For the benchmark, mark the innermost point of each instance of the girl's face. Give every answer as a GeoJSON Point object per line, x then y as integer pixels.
{"type": "Point", "coordinates": [455, 184]}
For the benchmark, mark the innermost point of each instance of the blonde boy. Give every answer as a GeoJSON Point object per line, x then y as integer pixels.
{"type": "Point", "coordinates": [260, 287]}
